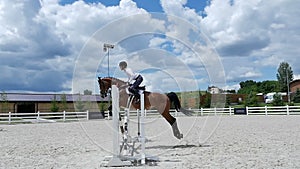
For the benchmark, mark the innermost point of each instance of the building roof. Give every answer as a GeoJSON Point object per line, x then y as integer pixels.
{"type": "Point", "coordinates": [25, 97]}
{"type": "Point", "coordinates": [295, 81]}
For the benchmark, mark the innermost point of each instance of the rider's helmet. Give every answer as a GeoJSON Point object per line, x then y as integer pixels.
{"type": "Point", "coordinates": [122, 65]}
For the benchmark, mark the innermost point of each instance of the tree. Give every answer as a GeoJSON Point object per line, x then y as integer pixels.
{"type": "Point", "coordinates": [251, 99]}
{"type": "Point", "coordinates": [284, 76]}
{"type": "Point", "coordinates": [265, 87]}
{"type": "Point", "coordinates": [103, 106]}
{"type": "Point", "coordinates": [63, 101]}
{"type": "Point", "coordinates": [54, 106]}
{"type": "Point", "coordinates": [79, 105]}
{"type": "Point", "coordinates": [207, 100]}
{"type": "Point", "coordinates": [87, 92]}
{"type": "Point", "coordinates": [248, 87]}
{"type": "Point", "coordinates": [296, 98]}
{"type": "Point", "coordinates": [277, 100]}
{"type": "Point", "coordinates": [268, 86]}
{"type": "Point", "coordinates": [4, 102]}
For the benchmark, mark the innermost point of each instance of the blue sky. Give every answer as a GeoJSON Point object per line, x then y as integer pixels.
{"type": "Point", "coordinates": [55, 45]}
{"type": "Point", "coordinates": [149, 5]}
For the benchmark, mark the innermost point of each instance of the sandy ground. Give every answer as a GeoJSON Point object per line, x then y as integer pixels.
{"type": "Point", "coordinates": [209, 142]}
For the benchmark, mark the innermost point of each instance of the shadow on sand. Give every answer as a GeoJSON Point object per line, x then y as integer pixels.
{"type": "Point", "coordinates": [183, 146]}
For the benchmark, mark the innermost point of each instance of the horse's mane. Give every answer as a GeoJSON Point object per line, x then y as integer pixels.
{"type": "Point", "coordinates": [113, 79]}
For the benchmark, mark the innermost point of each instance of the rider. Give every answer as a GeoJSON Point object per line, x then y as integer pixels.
{"type": "Point", "coordinates": [132, 76]}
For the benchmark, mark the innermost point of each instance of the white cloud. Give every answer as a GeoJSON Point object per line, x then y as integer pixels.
{"type": "Point", "coordinates": [296, 76]}
{"type": "Point", "coordinates": [242, 72]}
{"type": "Point", "coordinates": [250, 36]}
{"type": "Point", "coordinates": [265, 33]}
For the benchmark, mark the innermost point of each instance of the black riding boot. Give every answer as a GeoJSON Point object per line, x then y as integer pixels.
{"type": "Point", "coordinates": [137, 96]}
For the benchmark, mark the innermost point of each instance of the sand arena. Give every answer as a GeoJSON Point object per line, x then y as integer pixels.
{"type": "Point", "coordinates": [209, 142]}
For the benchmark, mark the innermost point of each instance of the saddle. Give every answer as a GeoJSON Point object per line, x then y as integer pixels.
{"type": "Point", "coordinates": [140, 88]}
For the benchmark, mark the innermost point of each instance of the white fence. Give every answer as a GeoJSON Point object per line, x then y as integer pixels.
{"type": "Point", "coordinates": [266, 110]}
{"type": "Point", "coordinates": [213, 111]}
{"type": "Point", "coordinates": [38, 117]}
{"type": "Point", "coordinates": [197, 112]}
{"type": "Point", "coordinates": [14, 118]}
{"type": "Point", "coordinates": [273, 110]}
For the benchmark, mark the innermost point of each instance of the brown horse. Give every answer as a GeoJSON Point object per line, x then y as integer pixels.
{"type": "Point", "coordinates": [161, 102]}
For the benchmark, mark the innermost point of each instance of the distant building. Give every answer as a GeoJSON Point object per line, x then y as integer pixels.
{"type": "Point", "coordinates": [30, 103]}
{"type": "Point", "coordinates": [294, 85]}
{"type": "Point", "coordinates": [214, 90]}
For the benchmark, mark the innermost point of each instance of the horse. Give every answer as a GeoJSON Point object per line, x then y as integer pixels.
{"type": "Point", "coordinates": [161, 102]}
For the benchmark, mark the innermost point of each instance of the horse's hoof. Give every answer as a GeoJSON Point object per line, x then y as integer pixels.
{"type": "Point", "coordinates": [179, 136]}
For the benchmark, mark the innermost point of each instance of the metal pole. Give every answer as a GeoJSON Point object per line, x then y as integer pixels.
{"type": "Point", "coordinates": [108, 61]}
{"type": "Point", "coordinates": [107, 46]}
{"type": "Point", "coordinates": [288, 86]}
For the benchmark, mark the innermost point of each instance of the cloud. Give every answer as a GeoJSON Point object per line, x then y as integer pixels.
{"type": "Point", "coordinates": [250, 27]}
{"type": "Point", "coordinates": [240, 73]}
{"type": "Point", "coordinates": [43, 41]}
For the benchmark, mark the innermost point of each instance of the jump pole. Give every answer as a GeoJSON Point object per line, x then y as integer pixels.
{"type": "Point", "coordinates": [142, 123]}
{"type": "Point", "coordinates": [118, 159]}
{"type": "Point", "coordinates": [115, 159]}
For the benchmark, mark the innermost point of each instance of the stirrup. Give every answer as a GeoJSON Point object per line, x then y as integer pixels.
{"type": "Point", "coordinates": [137, 100]}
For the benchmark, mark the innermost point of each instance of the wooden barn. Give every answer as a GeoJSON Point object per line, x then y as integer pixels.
{"type": "Point", "coordinates": [30, 103]}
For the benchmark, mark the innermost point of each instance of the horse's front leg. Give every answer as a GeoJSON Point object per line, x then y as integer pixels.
{"type": "Point", "coordinates": [121, 124]}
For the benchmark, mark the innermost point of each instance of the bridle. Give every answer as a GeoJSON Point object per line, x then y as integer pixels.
{"type": "Point", "coordinates": [103, 89]}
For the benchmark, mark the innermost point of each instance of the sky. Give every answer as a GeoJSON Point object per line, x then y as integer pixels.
{"type": "Point", "coordinates": [56, 46]}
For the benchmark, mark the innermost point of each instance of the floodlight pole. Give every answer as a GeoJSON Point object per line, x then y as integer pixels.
{"type": "Point", "coordinates": [288, 85]}
{"type": "Point", "coordinates": [106, 47]}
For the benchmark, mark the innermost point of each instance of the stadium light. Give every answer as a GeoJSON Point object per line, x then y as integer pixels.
{"type": "Point", "coordinates": [106, 47]}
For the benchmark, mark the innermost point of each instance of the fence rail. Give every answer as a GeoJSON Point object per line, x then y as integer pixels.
{"type": "Point", "coordinates": [14, 118]}
{"type": "Point", "coordinates": [274, 110]}
{"type": "Point", "coordinates": [267, 110]}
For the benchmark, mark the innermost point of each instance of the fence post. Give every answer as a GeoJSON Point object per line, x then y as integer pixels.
{"type": "Point", "coordinates": [215, 109]}
{"type": "Point", "coordinates": [287, 110]}
{"type": "Point", "coordinates": [247, 111]}
{"type": "Point", "coordinates": [64, 115]}
{"type": "Point", "coordinates": [266, 110]}
{"type": "Point", "coordinates": [229, 111]}
{"type": "Point", "coordinates": [201, 112]}
{"type": "Point", "coordinates": [38, 115]}
{"type": "Point", "coordinates": [87, 114]}
{"type": "Point", "coordinates": [9, 117]}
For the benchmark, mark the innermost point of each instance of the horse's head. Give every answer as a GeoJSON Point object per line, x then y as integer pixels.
{"type": "Point", "coordinates": [104, 84]}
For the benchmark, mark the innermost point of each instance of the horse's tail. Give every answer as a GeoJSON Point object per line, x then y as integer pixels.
{"type": "Point", "coordinates": [175, 100]}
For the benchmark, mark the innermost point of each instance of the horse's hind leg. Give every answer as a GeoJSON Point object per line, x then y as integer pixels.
{"type": "Point", "coordinates": [173, 123]}
{"type": "Point", "coordinates": [176, 131]}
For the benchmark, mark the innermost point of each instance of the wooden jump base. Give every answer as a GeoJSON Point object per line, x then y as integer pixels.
{"type": "Point", "coordinates": [126, 152]}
